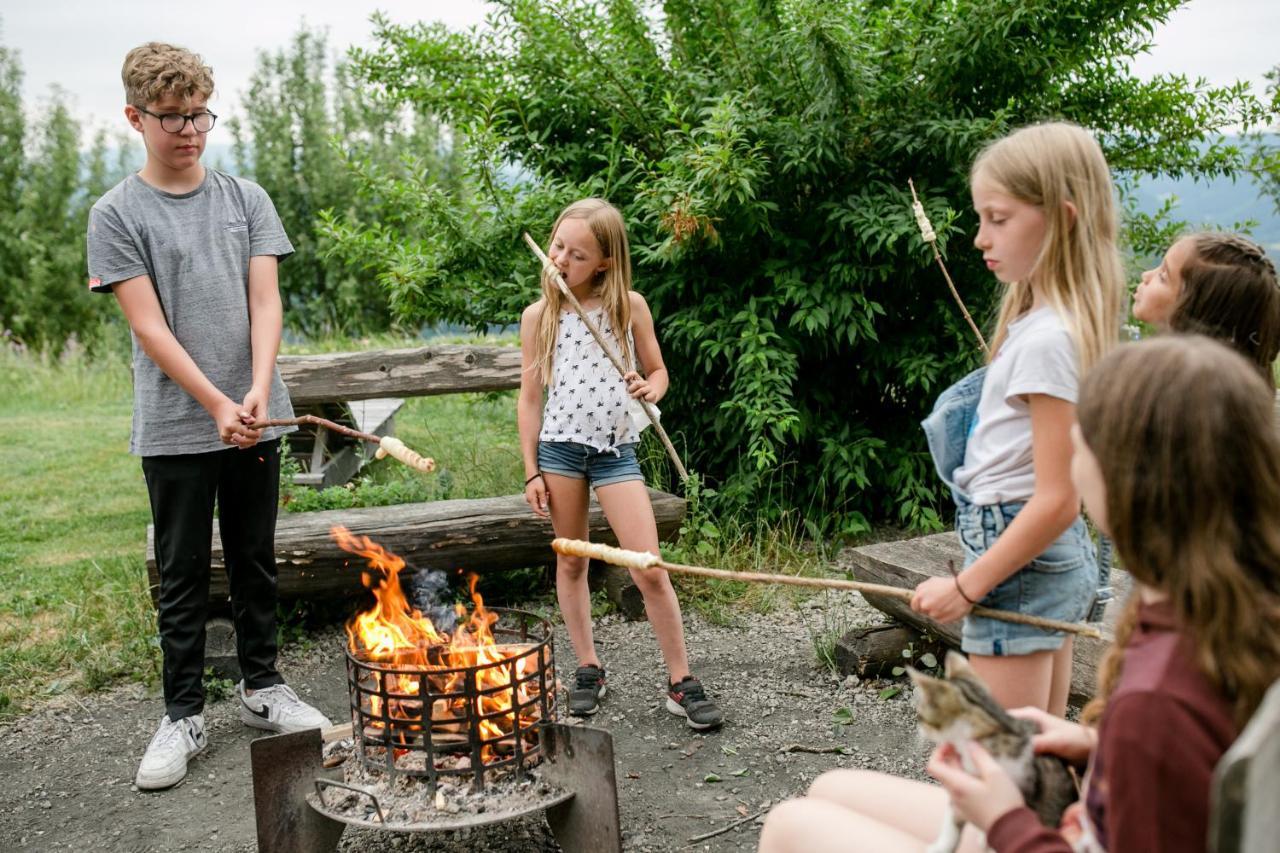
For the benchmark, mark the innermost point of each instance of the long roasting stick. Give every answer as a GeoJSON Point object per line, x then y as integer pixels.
{"type": "Point", "coordinates": [551, 270]}
{"type": "Point", "coordinates": [388, 445]}
{"type": "Point", "coordinates": [645, 560]}
{"type": "Point", "coordinates": [926, 232]}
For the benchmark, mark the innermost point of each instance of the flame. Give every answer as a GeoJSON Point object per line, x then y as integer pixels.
{"type": "Point", "coordinates": [396, 633]}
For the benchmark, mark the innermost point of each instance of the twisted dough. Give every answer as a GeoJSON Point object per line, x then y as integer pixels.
{"type": "Point", "coordinates": [392, 446]}
{"type": "Point", "coordinates": [607, 553]}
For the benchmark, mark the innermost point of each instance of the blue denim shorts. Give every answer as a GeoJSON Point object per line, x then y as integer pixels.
{"type": "Point", "coordinates": [1059, 584]}
{"type": "Point", "coordinates": [582, 461]}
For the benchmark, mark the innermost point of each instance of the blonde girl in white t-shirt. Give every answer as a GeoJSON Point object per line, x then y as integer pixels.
{"type": "Point", "coordinates": [1047, 231]}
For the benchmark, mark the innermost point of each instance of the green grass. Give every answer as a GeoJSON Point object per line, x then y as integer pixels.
{"type": "Point", "coordinates": [74, 609]}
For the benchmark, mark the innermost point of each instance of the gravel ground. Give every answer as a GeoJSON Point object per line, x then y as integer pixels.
{"type": "Point", "coordinates": [66, 770]}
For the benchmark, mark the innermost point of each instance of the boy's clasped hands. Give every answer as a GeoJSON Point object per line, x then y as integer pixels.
{"type": "Point", "coordinates": [235, 423]}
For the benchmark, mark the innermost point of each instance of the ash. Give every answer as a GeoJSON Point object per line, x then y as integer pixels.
{"type": "Point", "coordinates": [408, 802]}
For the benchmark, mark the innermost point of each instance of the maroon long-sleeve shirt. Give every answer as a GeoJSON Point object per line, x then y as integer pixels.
{"type": "Point", "coordinates": [1159, 738]}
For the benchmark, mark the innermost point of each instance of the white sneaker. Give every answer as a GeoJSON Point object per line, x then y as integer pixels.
{"type": "Point", "coordinates": [173, 745]}
{"type": "Point", "coordinates": [278, 709]}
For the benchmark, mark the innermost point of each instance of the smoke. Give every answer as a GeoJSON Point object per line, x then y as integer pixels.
{"type": "Point", "coordinates": [428, 592]}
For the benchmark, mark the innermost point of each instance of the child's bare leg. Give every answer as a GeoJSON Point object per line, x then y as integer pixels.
{"type": "Point", "coordinates": [913, 807]}
{"type": "Point", "coordinates": [863, 810]}
{"type": "Point", "coordinates": [1017, 681]}
{"type": "Point", "coordinates": [1060, 684]}
{"type": "Point", "coordinates": [567, 500]}
{"type": "Point", "coordinates": [626, 506]}
{"type": "Point", "coordinates": [811, 825]}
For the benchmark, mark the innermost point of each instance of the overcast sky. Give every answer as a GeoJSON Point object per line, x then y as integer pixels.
{"type": "Point", "coordinates": [79, 44]}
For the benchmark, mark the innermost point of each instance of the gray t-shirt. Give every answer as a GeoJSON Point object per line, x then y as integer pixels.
{"type": "Point", "coordinates": [195, 247]}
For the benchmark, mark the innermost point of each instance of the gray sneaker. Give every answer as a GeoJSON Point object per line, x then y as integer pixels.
{"type": "Point", "coordinates": [588, 690]}
{"type": "Point", "coordinates": [164, 764]}
{"type": "Point", "coordinates": [278, 709]}
{"type": "Point", "coordinates": [687, 699]}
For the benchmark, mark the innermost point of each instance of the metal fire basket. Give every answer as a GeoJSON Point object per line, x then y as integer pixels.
{"type": "Point", "coordinates": [410, 720]}
{"type": "Point", "coordinates": [411, 725]}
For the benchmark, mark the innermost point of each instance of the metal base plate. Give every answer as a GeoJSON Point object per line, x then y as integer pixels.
{"type": "Point", "coordinates": [285, 767]}
{"type": "Point", "coordinates": [580, 759]}
{"type": "Point", "coordinates": [578, 762]}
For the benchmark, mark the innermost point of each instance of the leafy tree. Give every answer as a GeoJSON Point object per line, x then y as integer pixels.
{"type": "Point", "coordinates": [46, 190]}
{"type": "Point", "coordinates": [1266, 151]}
{"type": "Point", "coordinates": [760, 150]}
{"type": "Point", "coordinates": [302, 125]}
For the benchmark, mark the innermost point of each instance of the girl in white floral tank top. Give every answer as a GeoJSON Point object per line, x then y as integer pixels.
{"type": "Point", "coordinates": [587, 401]}
{"type": "Point", "coordinates": [584, 437]}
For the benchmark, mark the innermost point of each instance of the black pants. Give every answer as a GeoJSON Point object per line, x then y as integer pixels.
{"type": "Point", "coordinates": [245, 485]}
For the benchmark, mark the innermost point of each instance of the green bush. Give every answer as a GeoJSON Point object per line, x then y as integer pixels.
{"type": "Point", "coordinates": [760, 150]}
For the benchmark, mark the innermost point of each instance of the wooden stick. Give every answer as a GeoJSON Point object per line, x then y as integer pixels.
{"type": "Point", "coordinates": [926, 231]}
{"type": "Point", "coordinates": [550, 269]}
{"type": "Point", "coordinates": [388, 445]}
{"type": "Point", "coordinates": [645, 560]}
{"type": "Point", "coordinates": [722, 830]}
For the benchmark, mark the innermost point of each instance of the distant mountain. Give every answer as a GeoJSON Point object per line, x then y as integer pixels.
{"type": "Point", "coordinates": [1217, 203]}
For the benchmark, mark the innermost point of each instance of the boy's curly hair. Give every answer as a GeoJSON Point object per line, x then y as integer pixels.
{"type": "Point", "coordinates": [156, 69]}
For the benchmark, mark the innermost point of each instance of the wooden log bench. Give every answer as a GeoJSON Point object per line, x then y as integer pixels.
{"type": "Point", "coordinates": [365, 390]}
{"type": "Point", "coordinates": [907, 562]}
{"type": "Point", "coordinates": [477, 535]}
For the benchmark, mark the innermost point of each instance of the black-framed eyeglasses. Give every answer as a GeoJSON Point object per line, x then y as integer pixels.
{"type": "Point", "coordinates": [177, 122]}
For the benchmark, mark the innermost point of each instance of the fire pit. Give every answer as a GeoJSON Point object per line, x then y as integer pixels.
{"type": "Point", "coordinates": [453, 725]}
{"type": "Point", "coordinates": [469, 713]}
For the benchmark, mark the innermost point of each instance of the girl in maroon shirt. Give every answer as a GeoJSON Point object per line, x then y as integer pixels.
{"type": "Point", "coordinates": [1178, 459]}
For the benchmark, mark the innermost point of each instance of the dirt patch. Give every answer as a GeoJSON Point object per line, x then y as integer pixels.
{"type": "Point", "coordinates": [66, 770]}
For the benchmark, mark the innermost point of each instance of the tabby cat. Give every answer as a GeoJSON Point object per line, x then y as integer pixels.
{"type": "Point", "coordinates": [958, 709]}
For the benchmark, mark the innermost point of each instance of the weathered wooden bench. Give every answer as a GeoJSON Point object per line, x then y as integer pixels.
{"type": "Point", "coordinates": [477, 535]}
{"type": "Point", "coordinates": [488, 534]}
{"type": "Point", "coordinates": [907, 562]}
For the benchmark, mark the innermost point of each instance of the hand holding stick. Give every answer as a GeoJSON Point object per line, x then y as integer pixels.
{"type": "Point", "coordinates": [927, 233]}
{"type": "Point", "coordinates": [388, 445]}
{"type": "Point", "coordinates": [645, 560]}
{"type": "Point", "coordinates": [550, 269]}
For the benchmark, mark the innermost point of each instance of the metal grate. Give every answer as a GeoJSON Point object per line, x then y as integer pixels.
{"type": "Point", "coordinates": [438, 719]}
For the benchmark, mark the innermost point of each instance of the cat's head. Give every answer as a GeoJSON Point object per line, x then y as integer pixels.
{"type": "Point", "coordinates": [958, 706]}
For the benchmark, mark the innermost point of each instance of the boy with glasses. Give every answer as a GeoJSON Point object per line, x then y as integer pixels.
{"type": "Point", "coordinates": [191, 255]}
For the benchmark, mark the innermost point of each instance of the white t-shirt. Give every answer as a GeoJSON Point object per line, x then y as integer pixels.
{"type": "Point", "coordinates": [1037, 357]}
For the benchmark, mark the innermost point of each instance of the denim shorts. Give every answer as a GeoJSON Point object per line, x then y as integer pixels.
{"type": "Point", "coordinates": [582, 461]}
{"type": "Point", "coordinates": [1061, 584]}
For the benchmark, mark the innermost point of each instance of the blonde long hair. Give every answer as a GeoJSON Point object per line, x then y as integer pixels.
{"type": "Point", "coordinates": [1184, 433]}
{"type": "Point", "coordinates": [1078, 270]}
{"type": "Point", "coordinates": [613, 284]}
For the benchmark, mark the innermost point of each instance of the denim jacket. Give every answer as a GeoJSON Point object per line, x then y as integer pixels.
{"type": "Point", "coordinates": [947, 430]}
{"type": "Point", "coordinates": [948, 426]}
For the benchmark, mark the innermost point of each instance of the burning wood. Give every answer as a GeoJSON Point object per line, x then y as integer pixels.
{"type": "Point", "coordinates": [432, 699]}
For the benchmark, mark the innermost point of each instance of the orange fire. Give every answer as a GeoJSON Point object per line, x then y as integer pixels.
{"type": "Point", "coordinates": [398, 636]}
